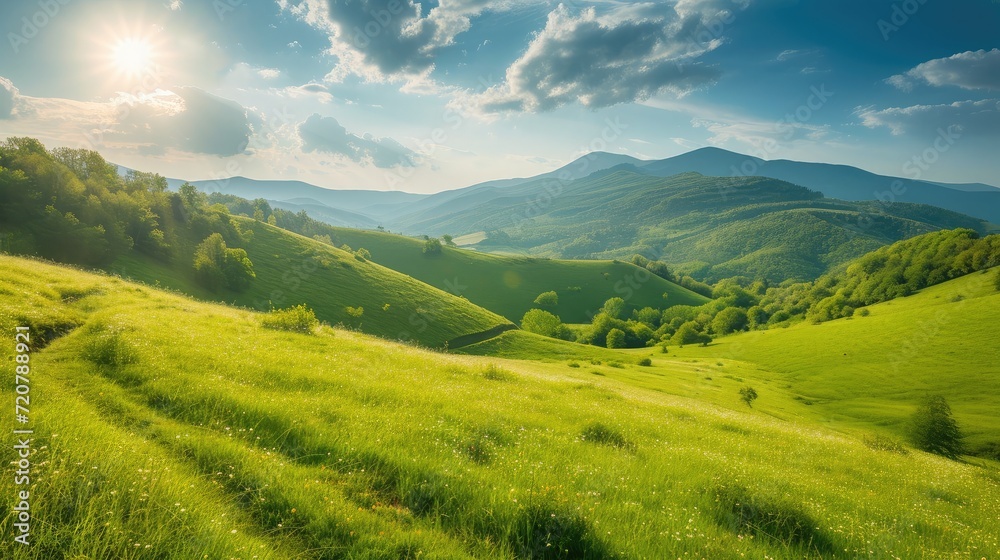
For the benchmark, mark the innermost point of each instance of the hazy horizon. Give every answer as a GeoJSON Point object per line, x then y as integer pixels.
{"type": "Point", "coordinates": [420, 96]}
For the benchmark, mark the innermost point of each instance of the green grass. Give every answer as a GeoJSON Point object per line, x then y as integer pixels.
{"type": "Point", "coordinates": [292, 270]}
{"type": "Point", "coordinates": [871, 372]}
{"type": "Point", "coordinates": [508, 285]}
{"type": "Point", "coordinates": [216, 437]}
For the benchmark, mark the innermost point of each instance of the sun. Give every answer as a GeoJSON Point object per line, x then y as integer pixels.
{"type": "Point", "coordinates": [132, 57]}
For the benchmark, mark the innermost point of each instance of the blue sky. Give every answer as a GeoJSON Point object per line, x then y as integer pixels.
{"type": "Point", "coordinates": [424, 96]}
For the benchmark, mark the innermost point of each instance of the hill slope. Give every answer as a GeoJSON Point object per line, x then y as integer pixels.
{"type": "Point", "coordinates": [717, 227]}
{"type": "Point", "coordinates": [292, 269]}
{"type": "Point", "coordinates": [508, 285]}
{"type": "Point", "coordinates": [870, 371]}
{"type": "Point", "coordinates": [836, 181]}
{"type": "Point", "coordinates": [156, 416]}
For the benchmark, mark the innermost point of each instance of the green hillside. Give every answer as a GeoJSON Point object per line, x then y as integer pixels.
{"type": "Point", "coordinates": [710, 227]}
{"type": "Point", "coordinates": [508, 285]}
{"type": "Point", "coordinates": [863, 373]}
{"type": "Point", "coordinates": [72, 206]}
{"type": "Point", "coordinates": [292, 269]}
{"type": "Point", "coordinates": [169, 428]}
{"type": "Point", "coordinates": [870, 371]}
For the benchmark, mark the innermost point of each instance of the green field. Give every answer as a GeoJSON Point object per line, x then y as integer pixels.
{"type": "Point", "coordinates": [871, 371]}
{"type": "Point", "coordinates": [508, 285]}
{"type": "Point", "coordinates": [170, 428]}
{"type": "Point", "coordinates": [292, 269]}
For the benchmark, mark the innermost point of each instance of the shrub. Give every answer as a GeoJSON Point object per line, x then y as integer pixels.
{"type": "Point", "coordinates": [547, 299]}
{"type": "Point", "coordinates": [996, 281]}
{"type": "Point", "coordinates": [616, 338]}
{"type": "Point", "coordinates": [730, 320]}
{"type": "Point", "coordinates": [933, 429]}
{"type": "Point", "coordinates": [544, 323]}
{"type": "Point", "coordinates": [299, 318]}
{"type": "Point", "coordinates": [218, 266]}
{"type": "Point", "coordinates": [748, 395]}
{"type": "Point", "coordinates": [690, 333]}
{"type": "Point", "coordinates": [432, 247]}
{"type": "Point", "coordinates": [355, 312]}
{"type": "Point", "coordinates": [645, 362]}
{"type": "Point", "coordinates": [614, 308]}
{"type": "Point", "coordinates": [863, 312]}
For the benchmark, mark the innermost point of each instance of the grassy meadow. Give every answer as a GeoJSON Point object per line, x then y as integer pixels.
{"type": "Point", "coordinates": [508, 285]}
{"type": "Point", "coordinates": [292, 269]}
{"type": "Point", "coordinates": [171, 428]}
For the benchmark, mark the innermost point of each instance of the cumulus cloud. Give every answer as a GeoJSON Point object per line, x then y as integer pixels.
{"type": "Point", "coordinates": [388, 39]}
{"type": "Point", "coordinates": [187, 119]}
{"type": "Point", "coordinates": [8, 94]}
{"type": "Point", "coordinates": [628, 53]}
{"type": "Point", "coordinates": [969, 117]}
{"type": "Point", "coordinates": [325, 134]}
{"type": "Point", "coordinates": [967, 70]}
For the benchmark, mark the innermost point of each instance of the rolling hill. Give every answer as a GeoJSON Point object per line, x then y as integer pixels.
{"type": "Point", "coordinates": [837, 181]}
{"type": "Point", "coordinates": [711, 227]}
{"type": "Point", "coordinates": [292, 269]}
{"type": "Point", "coordinates": [507, 285]}
{"type": "Point", "coordinates": [155, 415]}
{"type": "Point", "coordinates": [868, 371]}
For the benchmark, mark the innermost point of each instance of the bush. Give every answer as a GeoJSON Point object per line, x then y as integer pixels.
{"type": "Point", "coordinates": [217, 266]}
{"type": "Point", "coordinates": [933, 429]}
{"type": "Point", "coordinates": [645, 362]}
{"type": "Point", "coordinates": [544, 323]}
{"type": "Point", "coordinates": [616, 338]}
{"type": "Point", "coordinates": [300, 319]}
{"type": "Point", "coordinates": [996, 281]}
{"type": "Point", "coordinates": [355, 312]}
{"type": "Point", "coordinates": [690, 333]}
{"type": "Point", "coordinates": [547, 299]}
{"type": "Point", "coordinates": [614, 308]}
{"type": "Point", "coordinates": [432, 247]}
{"type": "Point", "coordinates": [730, 320]}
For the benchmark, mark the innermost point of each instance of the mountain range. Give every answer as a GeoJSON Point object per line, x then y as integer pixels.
{"type": "Point", "coordinates": [409, 213]}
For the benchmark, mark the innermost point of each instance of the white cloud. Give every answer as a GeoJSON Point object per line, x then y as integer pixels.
{"type": "Point", "coordinates": [598, 59]}
{"type": "Point", "coordinates": [269, 73]}
{"type": "Point", "coordinates": [175, 5]}
{"type": "Point", "coordinates": [967, 70]}
{"type": "Point", "coordinates": [970, 117]}
{"type": "Point", "coordinates": [325, 134]}
{"type": "Point", "coordinates": [8, 97]}
{"type": "Point", "coordinates": [382, 40]}
{"type": "Point", "coordinates": [188, 119]}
